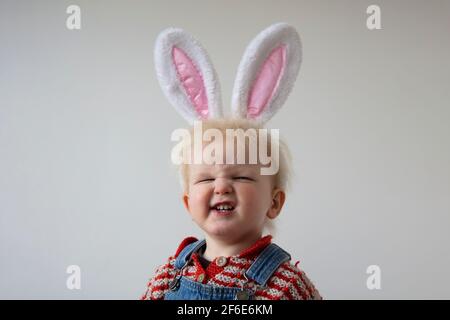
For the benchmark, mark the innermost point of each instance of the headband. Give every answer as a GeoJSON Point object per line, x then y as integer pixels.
{"type": "Point", "coordinates": [265, 77]}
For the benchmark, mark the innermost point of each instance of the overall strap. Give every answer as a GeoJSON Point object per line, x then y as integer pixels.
{"type": "Point", "coordinates": [268, 261]}
{"type": "Point", "coordinates": [185, 254]}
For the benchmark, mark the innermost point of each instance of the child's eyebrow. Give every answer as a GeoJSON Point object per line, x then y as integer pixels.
{"type": "Point", "coordinates": [227, 169]}
{"type": "Point", "coordinates": [202, 172]}
{"type": "Point", "coordinates": [201, 175]}
{"type": "Point", "coordinates": [238, 171]}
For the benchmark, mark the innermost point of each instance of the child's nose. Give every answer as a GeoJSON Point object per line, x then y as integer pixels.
{"type": "Point", "coordinates": [222, 186]}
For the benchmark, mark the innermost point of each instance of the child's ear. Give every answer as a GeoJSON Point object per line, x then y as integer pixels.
{"type": "Point", "coordinates": [278, 198]}
{"type": "Point", "coordinates": [186, 201]}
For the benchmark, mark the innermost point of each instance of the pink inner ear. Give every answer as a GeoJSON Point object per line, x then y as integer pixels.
{"type": "Point", "coordinates": [267, 82]}
{"type": "Point", "coordinates": [192, 81]}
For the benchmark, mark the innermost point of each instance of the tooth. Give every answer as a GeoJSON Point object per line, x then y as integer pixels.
{"type": "Point", "coordinates": [224, 207]}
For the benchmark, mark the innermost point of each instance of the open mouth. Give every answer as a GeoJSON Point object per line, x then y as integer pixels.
{"type": "Point", "coordinates": [223, 208]}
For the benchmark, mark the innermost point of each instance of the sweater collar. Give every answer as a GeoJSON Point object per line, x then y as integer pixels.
{"type": "Point", "coordinates": [213, 269]}
{"type": "Point", "coordinates": [256, 248]}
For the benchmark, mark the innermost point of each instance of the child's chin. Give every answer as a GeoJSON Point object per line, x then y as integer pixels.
{"type": "Point", "coordinates": [220, 229]}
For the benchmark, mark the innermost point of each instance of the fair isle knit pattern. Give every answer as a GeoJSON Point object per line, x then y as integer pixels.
{"type": "Point", "coordinates": [287, 283]}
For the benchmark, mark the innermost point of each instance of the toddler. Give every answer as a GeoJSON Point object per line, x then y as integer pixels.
{"type": "Point", "coordinates": [234, 186]}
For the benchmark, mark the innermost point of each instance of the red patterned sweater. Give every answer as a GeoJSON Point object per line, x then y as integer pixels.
{"type": "Point", "coordinates": [287, 283]}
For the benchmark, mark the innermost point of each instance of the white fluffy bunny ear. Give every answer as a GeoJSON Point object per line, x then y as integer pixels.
{"type": "Point", "coordinates": [267, 73]}
{"type": "Point", "coordinates": [186, 76]}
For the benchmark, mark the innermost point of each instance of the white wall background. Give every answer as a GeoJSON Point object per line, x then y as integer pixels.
{"type": "Point", "coordinates": [85, 175]}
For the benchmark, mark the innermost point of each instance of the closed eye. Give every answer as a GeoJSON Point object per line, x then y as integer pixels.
{"type": "Point", "coordinates": [205, 180]}
{"type": "Point", "coordinates": [244, 178]}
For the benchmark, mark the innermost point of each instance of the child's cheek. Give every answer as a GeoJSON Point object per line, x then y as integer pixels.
{"type": "Point", "coordinates": [200, 196]}
{"type": "Point", "coordinates": [246, 194]}
{"type": "Point", "coordinates": [255, 196]}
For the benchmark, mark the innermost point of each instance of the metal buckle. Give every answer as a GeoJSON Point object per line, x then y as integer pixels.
{"type": "Point", "coordinates": [244, 293]}
{"type": "Point", "coordinates": [175, 283]}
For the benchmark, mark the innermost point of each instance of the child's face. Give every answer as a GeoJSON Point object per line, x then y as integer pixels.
{"type": "Point", "coordinates": [250, 196]}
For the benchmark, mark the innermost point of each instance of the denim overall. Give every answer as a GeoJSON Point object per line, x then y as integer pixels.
{"type": "Point", "coordinates": [182, 288]}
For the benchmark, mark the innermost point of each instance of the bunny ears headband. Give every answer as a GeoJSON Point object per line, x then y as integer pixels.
{"type": "Point", "coordinates": [265, 77]}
